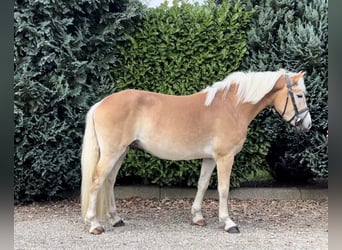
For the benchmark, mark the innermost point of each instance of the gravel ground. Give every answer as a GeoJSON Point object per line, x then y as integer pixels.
{"type": "Point", "coordinates": [165, 224]}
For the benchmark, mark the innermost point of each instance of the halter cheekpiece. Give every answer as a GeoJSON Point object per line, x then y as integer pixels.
{"type": "Point", "coordinates": [298, 119]}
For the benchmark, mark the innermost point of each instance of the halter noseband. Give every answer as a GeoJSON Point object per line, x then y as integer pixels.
{"type": "Point", "coordinates": [296, 116]}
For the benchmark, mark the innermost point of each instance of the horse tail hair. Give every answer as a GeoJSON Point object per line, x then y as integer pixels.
{"type": "Point", "coordinates": [89, 161]}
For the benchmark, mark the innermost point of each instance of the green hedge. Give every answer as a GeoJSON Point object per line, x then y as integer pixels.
{"type": "Point", "coordinates": [63, 53]}
{"type": "Point", "coordinates": [293, 35]}
{"type": "Point", "coordinates": [180, 50]}
{"type": "Point", "coordinates": [70, 55]}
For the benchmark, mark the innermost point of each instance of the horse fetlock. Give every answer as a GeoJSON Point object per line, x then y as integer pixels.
{"type": "Point", "coordinates": [195, 210]}
{"type": "Point", "coordinates": [223, 217]}
{"type": "Point", "coordinates": [114, 216]}
{"type": "Point", "coordinates": [89, 216]}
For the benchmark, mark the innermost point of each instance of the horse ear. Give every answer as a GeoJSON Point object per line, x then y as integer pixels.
{"type": "Point", "coordinates": [295, 78]}
{"type": "Point", "coordinates": [280, 83]}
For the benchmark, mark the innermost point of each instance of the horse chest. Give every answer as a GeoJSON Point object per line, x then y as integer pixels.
{"type": "Point", "coordinates": [229, 144]}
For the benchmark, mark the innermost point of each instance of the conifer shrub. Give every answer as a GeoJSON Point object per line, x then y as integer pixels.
{"type": "Point", "coordinates": [63, 54]}
{"type": "Point", "coordinates": [293, 35]}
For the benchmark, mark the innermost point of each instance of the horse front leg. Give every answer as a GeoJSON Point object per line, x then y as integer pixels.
{"type": "Point", "coordinates": [224, 169]}
{"type": "Point", "coordinates": [207, 168]}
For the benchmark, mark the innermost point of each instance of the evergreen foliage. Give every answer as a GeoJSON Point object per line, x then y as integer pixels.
{"type": "Point", "coordinates": [293, 35]}
{"type": "Point", "coordinates": [70, 54]}
{"type": "Point", "coordinates": [180, 50]}
{"type": "Point", "coordinates": [63, 52]}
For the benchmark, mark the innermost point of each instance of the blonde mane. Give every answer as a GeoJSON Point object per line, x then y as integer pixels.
{"type": "Point", "coordinates": [252, 86]}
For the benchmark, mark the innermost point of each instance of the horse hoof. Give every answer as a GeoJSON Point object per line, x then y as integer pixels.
{"type": "Point", "coordinates": [233, 230]}
{"type": "Point", "coordinates": [120, 223]}
{"type": "Point", "coordinates": [200, 223]}
{"type": "Point", "coordinates": [97, 230]}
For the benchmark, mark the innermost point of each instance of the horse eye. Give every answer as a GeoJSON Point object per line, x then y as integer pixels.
{"type": "Point", "coordinates": [299, 96]}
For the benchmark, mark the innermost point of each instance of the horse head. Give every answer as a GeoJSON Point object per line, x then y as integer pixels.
{"type": "Point", "coordinates": [290, 101]}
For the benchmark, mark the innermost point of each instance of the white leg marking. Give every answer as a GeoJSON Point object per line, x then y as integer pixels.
{"type": "Point", "coordinates": [207, 168]}
{"type": "Point", "coordinates": [224, 168]}
{"type": "Point", "coordinates": [91, 207]}
{"type": "Point", "coordinates": [229, 224]}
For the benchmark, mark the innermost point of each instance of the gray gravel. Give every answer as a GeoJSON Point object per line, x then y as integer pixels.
{"type": "Point", "coordinates": [154, 224]}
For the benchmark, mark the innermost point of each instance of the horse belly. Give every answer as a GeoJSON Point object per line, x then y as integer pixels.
{"type": "Point", "coordinates": [167, 150]}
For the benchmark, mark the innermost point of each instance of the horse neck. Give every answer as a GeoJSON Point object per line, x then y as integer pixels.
{"type": "Point", "coordinates": [243, 112]}
{"type": "Point", "coordinates": [252, 110]}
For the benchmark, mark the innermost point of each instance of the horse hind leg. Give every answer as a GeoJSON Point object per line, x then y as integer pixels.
{"type": "Point", "coordinates": [207, 168]}
{"type": "Point", "coordinates": [116, 219]}
{"type": "Point", "coordinates": [99, 192]}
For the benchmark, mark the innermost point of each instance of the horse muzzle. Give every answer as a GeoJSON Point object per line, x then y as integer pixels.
{"type": "Point", "coordinates": [302, 122]}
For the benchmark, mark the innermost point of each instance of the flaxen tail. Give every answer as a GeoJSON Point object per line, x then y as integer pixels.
{"type": "Point", "coordinates": [89, 160]}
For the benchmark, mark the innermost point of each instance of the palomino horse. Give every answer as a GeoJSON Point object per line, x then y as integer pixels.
{"type": "Point", "coordinates": [209, 125]}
